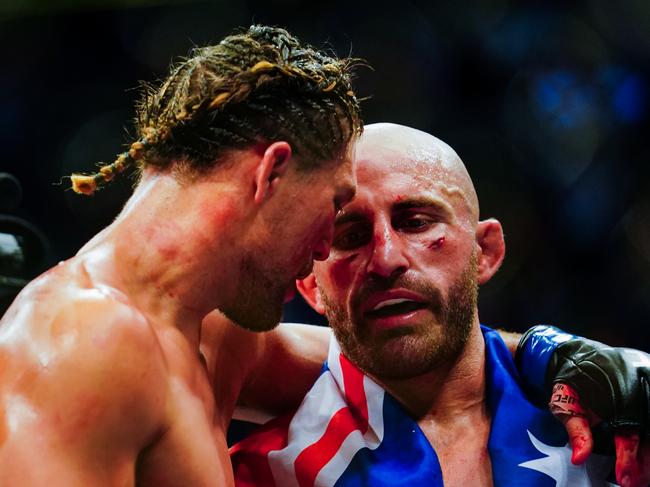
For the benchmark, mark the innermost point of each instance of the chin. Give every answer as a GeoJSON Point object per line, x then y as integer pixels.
{"type": "Point", "coordinates": [256, 318]}
{"type": "Point", "coordinates": [401, 354]}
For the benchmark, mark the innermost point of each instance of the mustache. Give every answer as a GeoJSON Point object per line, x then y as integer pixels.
{"type": "Point", "coordinates": [419, 286]}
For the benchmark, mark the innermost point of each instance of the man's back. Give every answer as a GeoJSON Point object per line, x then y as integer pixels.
{"type": "Point", "coordinates": [96, 392]}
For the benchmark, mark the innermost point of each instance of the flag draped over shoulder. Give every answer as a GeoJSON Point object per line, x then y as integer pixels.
{"type": "Point", "coordinates": [349, 432]}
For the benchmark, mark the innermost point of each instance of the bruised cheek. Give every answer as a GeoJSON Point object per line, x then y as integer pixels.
{"type": "Point", "coordinates": [340, 273]}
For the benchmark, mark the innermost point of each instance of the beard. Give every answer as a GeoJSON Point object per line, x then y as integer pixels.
{"type": "Point", "coordinates": [259, 299]}
{"type": "Point", "coordinates": [409, 351]}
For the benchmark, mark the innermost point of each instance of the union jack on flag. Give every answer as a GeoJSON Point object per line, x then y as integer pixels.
{"type": "Point", "coordinates": [349, 432]}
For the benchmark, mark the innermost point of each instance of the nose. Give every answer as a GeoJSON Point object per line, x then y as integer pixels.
{"type": "Point", "coordinates": [388, 259]}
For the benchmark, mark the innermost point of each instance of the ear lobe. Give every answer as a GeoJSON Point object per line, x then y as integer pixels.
{"type": "Point", "coordinates": [309, 291]}
{"type": "Point", "coordinates": [270, 168]}
{"type": "Point", "coordinates": [489, 236]}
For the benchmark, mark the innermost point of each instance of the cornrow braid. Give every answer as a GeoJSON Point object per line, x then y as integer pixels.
{"type": "Point", "coordinates": [88, 184]}
{"type": "Point", "coordinates": [257, 86]}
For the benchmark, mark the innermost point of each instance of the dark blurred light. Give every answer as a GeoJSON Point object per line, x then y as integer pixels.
{"type": "Point", "coordinates": [22, 252]}
{"type": "Point", "coordinates": [18, 8]}
{"type": "Point", "coordinates": [11, 193]}
{"type": "Point", "coordinates": [629, 99]}
{"type": "Point", "coordinates": [169, 34]}
{"type": "Point", "coordinates": [589, 210]}
{"type": "Point", "coordinates": [637, 227]}
{"type": "Point", "coordinates": [564, 101]}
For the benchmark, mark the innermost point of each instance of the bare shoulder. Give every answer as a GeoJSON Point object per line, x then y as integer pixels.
{"type": "Point", "coordinates": [52, 321]}
{"type": "Point", "coordinates": [83, 361]}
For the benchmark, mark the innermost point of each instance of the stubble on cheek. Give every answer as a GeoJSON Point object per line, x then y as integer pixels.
{"type": "Point", "coordinates": [409, 351]}
{"type": "Point", "coordinates": [339, 273]}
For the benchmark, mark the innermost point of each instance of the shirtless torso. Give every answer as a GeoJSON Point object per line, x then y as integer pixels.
{"type": "Point", "coordinates": [97, 390]}
{"type": "Point", "coordinates": [101, 378]}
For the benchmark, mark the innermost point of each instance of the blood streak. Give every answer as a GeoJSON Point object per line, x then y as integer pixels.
{"type": "Point", "coordinates": [437, 243]}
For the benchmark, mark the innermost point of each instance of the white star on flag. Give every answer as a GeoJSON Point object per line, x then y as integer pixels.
{"type": "Point", "coordinates": [557, 465]}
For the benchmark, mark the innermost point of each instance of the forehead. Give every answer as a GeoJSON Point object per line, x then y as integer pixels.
{"type": "Point", "coordinates": [387, 175]}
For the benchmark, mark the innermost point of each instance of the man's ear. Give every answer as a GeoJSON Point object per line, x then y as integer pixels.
{"type": "Point", "coordinates": [309, 290]}
{"type": "Point", "coordinates": [270, 168]}
{"type": "Point", "coordinates": [489, 236]}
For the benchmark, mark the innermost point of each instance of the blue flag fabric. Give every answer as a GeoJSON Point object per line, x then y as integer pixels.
{"type": "Point", "coordinates": [349, 432]}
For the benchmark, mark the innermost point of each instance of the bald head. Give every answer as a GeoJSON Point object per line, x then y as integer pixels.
{"type": "Point", "coordinates": [420, 153]}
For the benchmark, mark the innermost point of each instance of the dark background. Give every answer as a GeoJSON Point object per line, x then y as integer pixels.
{"type": "Point", "coordinates": [546, 102]}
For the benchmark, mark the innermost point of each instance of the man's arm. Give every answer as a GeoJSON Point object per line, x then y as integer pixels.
{"type": "Point", "coordinates": [267, 373]}
{"type": "Point", "coordinates": [80, 397]}
{"type": "Point", "coordinates": [292, 360]}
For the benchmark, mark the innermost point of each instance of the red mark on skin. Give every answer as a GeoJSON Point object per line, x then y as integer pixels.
{"type": "Point", "coordinates": [437, 243]}
{"type": "Point", "coordinates": [399, 198]}
{"type": "Point", "coordinates": [217, 212]}
{"type": "Point", "coordinates": [164, 239]}
{"type": "Point", "coordinates": [340, 273]}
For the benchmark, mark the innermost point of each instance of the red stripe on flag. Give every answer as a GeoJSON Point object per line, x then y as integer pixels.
{"type": "Point", "coordinates": [313, 458]}
{"type": "Point", "coordinates": [354, 392]}
{"type": "Point", "coordinates": [249, 457]}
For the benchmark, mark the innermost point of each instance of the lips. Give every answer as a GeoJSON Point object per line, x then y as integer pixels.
{"type": "Point", "coordinates": [393, 303]}
{"type": "Point", "coordinates": [398, 307]}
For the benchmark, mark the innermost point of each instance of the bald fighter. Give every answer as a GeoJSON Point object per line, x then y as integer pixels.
{"type": "Point", "coordinates": [101, 379]}
{"type": "Point", "coordinates": [415, 390]}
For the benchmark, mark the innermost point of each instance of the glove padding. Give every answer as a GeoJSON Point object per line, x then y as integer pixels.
{"type": "Point", "coordinates": [613, 382]}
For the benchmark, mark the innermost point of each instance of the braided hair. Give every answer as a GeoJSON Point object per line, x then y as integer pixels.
{"type": "Point", "coordinates": [260, 85]}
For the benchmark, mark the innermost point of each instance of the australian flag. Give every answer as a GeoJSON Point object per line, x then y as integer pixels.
{"type": "Point", "coordinates": [348, 431]}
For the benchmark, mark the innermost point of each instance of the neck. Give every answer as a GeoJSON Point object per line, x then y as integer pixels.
{"type": "Point", "coordinates": [450, 389]}
{"type": "Point", "coordinates": [168, 253]}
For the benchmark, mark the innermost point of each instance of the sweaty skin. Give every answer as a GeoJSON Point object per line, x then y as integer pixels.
{"type": "Point", "coordinates": [101, 379]}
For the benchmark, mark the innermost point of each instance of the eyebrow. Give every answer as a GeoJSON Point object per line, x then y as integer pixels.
{"type": "Point", "coordinates": [401, 205]}
{"type": "Point", "coordinates": [346, 217]}
{"type": "Point", "coordinates": [422, 202]}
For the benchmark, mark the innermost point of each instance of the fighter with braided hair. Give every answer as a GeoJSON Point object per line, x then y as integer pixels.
{"type": "Point", "coordinates": [101, 378]}
{"type": "Point", "coordinates": [235, 94]}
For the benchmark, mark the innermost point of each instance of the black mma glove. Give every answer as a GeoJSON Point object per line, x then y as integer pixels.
{"type": "Point", "coordinates": [614, 383]}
